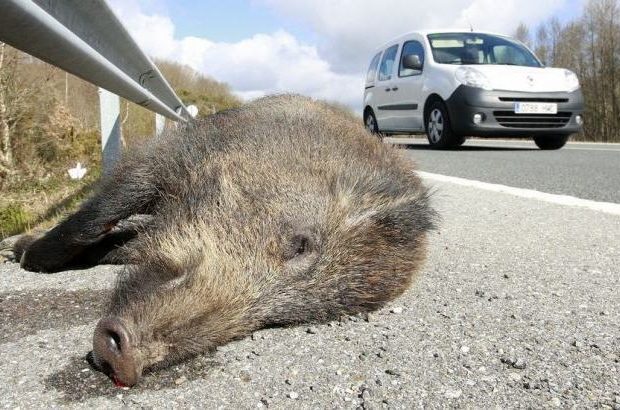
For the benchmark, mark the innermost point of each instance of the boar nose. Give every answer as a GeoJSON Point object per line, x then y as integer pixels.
{"type": "Point", "coordinates": [114, 352]}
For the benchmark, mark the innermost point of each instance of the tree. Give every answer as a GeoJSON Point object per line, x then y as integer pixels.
{"type": "Point", "coordinates": [555, 37]}
{"type": "Point", "coordinates": [6, 151]}
{"type": "Point", "coordinates": [542, 44]}
{"type": "Point", "coordinates": [601, 25]}
{"type": "Point", "coordinates": [523, 34]}
{"type": "Point", "coordinates": [26, 97]}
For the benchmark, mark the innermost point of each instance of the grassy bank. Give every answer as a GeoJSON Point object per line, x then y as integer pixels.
{"type": "Point", "coordinates": [42, 203]}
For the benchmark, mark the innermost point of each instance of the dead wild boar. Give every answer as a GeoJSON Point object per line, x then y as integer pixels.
{"type": "Point", "coordinates": [281, 212]}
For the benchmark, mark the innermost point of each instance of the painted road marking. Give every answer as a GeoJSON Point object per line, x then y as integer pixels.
{"type": "Point", "coordinates": [607, 207]}
{"type": "Point", "coordinates": [532, 146]}
{"type": "Point", "coordinates": [577, 145]}
{"type": "Point", "coordinates": [592, 149]}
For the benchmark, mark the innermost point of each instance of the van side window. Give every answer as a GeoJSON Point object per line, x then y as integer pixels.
{"type": "Point", "coordinates": [387, 63]}
{"type": "Point", "coordinates": [411, 47]}
{"type": "Point", "coordinates": [372, 69]}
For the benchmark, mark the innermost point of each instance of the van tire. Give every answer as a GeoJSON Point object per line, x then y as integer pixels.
{"type": "Point", "coordinates": [438, 128]}
{"type": "Point", "coordinates": [370, 122]}
{"type": "Point", "coordinates": [551, 142]}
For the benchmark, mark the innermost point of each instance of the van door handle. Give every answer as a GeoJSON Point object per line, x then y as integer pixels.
{"type": "Point", "coordinates": [395, 89]}
{"type": "Point", "coordinates": [387, 89]}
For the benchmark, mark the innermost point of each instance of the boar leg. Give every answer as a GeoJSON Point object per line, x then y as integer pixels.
{"type": "Point", "coordinates": [115, 246]}
{"type": "Point", "coordinates": [79, 234]}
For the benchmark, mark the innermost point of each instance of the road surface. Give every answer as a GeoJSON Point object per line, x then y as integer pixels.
{"type": "Point", "coordinates": [589, 171]}
{"type": "Point", "coordinates": [518, 306]}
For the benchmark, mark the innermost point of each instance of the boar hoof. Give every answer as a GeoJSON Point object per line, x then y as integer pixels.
{"type": "Point", "coordinates": [13, 247]}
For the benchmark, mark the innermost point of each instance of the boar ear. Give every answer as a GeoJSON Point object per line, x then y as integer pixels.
{"type": "Point", "coordinates": [411, 213]}
{"type": "Point", "coordinates": [388, 200]}
{"type": "Point", "coordinates": [407, 215]}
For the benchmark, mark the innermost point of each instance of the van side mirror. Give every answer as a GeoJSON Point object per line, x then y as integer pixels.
{"type": "Point", "coordinates": [412, 62]}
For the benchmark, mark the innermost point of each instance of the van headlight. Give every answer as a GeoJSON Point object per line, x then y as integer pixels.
{"type": "Point", "coordinates": [473, 78]}
{"type": "Point", "coordinates": [572, 81]}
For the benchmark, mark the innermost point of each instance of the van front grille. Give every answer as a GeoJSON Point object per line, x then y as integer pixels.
{"type": "Point", "coordinates": [512, 120]}
{"type": "Point", "coordinates": [532, 99]}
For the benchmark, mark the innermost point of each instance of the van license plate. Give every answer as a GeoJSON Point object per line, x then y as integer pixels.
{"type": "Point", "coordinates": [535, 108]}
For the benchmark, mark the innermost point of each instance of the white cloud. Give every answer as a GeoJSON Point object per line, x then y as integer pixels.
{"type": "Point", "coordinates": [348, 32]}
{"type": "Point", "coordinates": [262, 64]}
{"type": "Point", "coordinates": [154, 32]}
{"type": "Point", "coordinates": [352, 29]}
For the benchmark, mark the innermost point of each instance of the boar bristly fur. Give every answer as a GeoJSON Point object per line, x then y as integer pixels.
{"type": "Point", "coordinates": [281, 212]}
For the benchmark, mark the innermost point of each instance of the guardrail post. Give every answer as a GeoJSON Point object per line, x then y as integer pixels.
{"type": "Point", "coordinates": [110, 129]}
{"type": "Point", "coordinates": [160, 123]}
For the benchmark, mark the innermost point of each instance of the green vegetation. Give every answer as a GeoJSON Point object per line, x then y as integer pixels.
{"type": "Point", "coordinates": [49, 121]}
{"type": "Point", "coordinates": [14, 219]}
{"type": "Point", "coordinates": [193, 88]}
{"type": "Point", "coordinates": [41, 203]}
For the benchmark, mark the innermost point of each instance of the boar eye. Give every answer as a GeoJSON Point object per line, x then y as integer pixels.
{"type": "Point", "coordinates": [300, 245]}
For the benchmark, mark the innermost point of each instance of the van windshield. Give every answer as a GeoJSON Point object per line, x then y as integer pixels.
{"type": "Point", "coordinates": [475, 48]}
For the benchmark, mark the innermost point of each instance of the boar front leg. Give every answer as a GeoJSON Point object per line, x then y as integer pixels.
{"type": "Point", "coordinates": [115, 246]}
{"type": "Point", "coordinates": [74, 241]}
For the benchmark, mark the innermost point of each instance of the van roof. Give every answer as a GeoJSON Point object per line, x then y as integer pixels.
{"type": "Point", "coordinates": [424, 33]}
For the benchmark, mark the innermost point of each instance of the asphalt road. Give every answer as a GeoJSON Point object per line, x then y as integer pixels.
{"type": "Point", "coordinates": [518, 306]}
{"type": "Point", "coordinates": [588, 171]}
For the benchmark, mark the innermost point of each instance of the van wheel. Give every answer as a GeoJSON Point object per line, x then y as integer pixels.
{"type": "Point", "coordinates": [370, 121]}
{"type": "Point", "coordinates": [438, 128]}
{"type": "Point", "coordinates": [549, 142]}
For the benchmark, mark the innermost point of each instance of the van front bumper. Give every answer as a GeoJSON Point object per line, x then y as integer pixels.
{"type": "Point", "coordinates": [497, 109]}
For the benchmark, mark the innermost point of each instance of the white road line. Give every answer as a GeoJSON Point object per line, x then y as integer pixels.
{"type": "Point", "coordinates": [570, 146]}
{"type": "Point", "coordinates": [590, 149]}
{"type": "Point", "coordinates": [576, 145]}
{"type": "Point", "coordinates": [607, 207]}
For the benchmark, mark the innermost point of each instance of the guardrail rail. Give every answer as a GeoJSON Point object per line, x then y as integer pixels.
{"type": "Point", "coordinates": [85, 38]}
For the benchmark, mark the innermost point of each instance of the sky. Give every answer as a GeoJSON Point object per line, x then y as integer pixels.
{"type": "Point", "coordinates": [318, 48]}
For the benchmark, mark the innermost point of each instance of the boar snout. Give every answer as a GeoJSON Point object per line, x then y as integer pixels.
{"type": "Point", "coordinates": [113, 353]}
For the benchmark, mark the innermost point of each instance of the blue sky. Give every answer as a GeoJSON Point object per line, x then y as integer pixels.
{"type": "Point", "coordinates": [318, 48]}
{"type": "Point", "coordinates": [573, 10]}
{"type": "Point", "coordinates": [229, 21]}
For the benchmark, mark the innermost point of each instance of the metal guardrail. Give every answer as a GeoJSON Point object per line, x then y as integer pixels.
{"type": "Point", "coordinates": [85, 38]}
